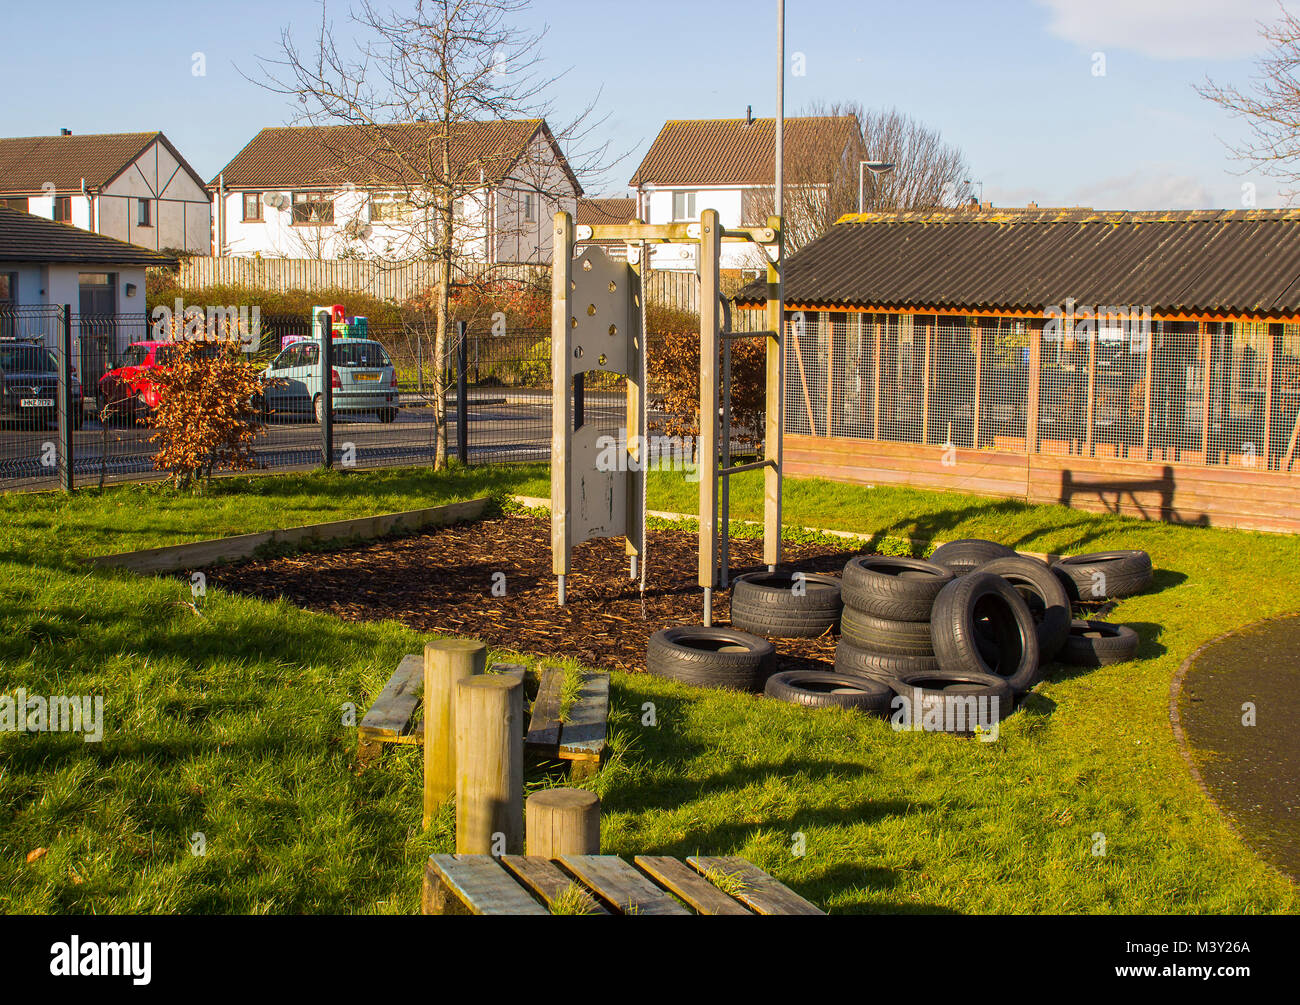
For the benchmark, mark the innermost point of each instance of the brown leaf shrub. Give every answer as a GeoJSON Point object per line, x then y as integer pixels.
{"type": "Point", "coordinates": [675, 383]}
{"type": "Point", "coordinates": [205, 420]}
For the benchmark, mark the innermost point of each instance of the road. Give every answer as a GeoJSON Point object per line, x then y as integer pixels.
{"type": "Point", "coordinates": [515, 428]}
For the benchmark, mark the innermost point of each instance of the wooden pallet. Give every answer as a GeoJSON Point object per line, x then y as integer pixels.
{"type": "Point", "coordinates": [580, 740]}
{"type": "Point", "coordinates": [604, 884]}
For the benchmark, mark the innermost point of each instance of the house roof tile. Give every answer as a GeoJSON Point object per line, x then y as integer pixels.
{"type": "Point", "coordinates": [28, 163]}
{"type": "Point", "coordinates": [28, 238]}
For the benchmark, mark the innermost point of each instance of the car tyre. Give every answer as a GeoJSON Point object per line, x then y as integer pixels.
{"type": "Point", "coordinates": [765, 603]}
{"type": "Point", "coordinates": [823, 689]}
{"type": "Point", "coordinates": [711, 657]}
{"type": "Point", "coordinates": [968, 554]}
{"type": "Point", "coordinates": [981, 624]}
{"type": "Point", "coordinates": [901, 589]}
{"type": "Point", "coordinates": [883, 635]}
{"type": "Point", "coordinates": [1043, 591]}
{"type": "Point", "coordinates": [1099, 644]}
{"type": "Point", "coordinates": [1122, 574]}
{"type": "Point", "coordinates": [853, 659]}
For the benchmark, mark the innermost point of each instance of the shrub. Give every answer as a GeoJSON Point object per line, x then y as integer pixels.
{"type": "Point", "coordinates": [205, 419]}
{"type": "Point", "coordinates": [674, 366]}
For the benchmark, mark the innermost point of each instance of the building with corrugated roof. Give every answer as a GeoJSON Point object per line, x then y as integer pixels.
{"type": "Point", "coordinates": [1145, 363]}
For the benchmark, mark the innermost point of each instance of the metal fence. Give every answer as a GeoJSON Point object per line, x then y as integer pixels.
{"type": "Point", "coordinates": [1208, 393]}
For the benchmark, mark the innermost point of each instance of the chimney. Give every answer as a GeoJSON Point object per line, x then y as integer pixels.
{"type": "Point", "coordinates": [65, 132]}
{"type": "Point", "coordinates": [749, 115]}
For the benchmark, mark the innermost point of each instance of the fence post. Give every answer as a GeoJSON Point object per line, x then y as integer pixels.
{"type": "Point", "coordinates": [65, 405]}
{"type": "Point", "coordinates": [326, 324]}
{"type": "Point", "coordinates": [1035, 331]}
{"type": "Point", "coordinates": [978, 404]}
{"type": "Point", "coordinates": [462, 400]}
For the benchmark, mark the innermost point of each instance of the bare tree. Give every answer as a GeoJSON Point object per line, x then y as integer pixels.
{"type": "Point", "coordinates": [425, 104]}
{"type": "Point", "coordinates": [1270, 106]}
{"type": "Point", "coordinates": [822, 169]}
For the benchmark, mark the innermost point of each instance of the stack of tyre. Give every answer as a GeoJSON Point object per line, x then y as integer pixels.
{"type": "Point", "coordinates": [776, 604]}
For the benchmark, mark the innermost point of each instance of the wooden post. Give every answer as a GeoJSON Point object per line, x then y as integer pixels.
{"type": "Point", "coordinates": [1269, 375]}
{"type": "Point", "coordinates": [1146, 394]}
{"type": "Point", "coordinates": [1035, 386]}
{"type": "Point", "coordinates": [875, 384]}
{"type": "Point", "coordinates": [1207, 357]}
{"type": "Point", "coordinates": [979, 372]}
{"type": "Point", "coordinates": [710, 249]}
{"type": "Point", "coordinates": [830, 368]}
{"type": "Point", "coordinates": [774, 421]}
{"type": "Point", "coordinates": [1091, 410]}
{"type": "Point", "coordinates": [490, 765]}
{"type": "Point", "coordinates": [925, 381]}
{"type": "Point", "coordinates": [446, 661]}
{"type": "Point", "coordinates": [561, 398]}
{"type": "Point", "coordinates": [563, 822]}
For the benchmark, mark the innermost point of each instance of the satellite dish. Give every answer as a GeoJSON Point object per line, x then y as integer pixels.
{"type": "Point", "coordinates": [274, 199]}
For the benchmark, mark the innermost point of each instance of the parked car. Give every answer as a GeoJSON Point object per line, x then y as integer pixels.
{"type": "Point", "coordinates": [30, 376]}
{"type": "Point", "coordinates": [128, 391]}
{"type": "Point", "coordinates": [362, 377]}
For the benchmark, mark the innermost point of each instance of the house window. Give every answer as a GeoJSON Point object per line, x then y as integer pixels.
{"type": "Point", "coordinates": [19, 204]}
{"type": "Point", "coordinates": [530, 207]}
{"type": "Point", "coordinates": [458, 209]}
{"type": "Point", "coordinates": [389, 209]}
{"type": "Point", "coordinates": [252, 207]}
{"type": "Point", "coordinates": [144, 212]}
{"type": "Point", "coordinates": [63, 208]}
{"type": "Point", "coordinates": [683, 206]}
{"type": "Point", "coordinates": [312, 208]}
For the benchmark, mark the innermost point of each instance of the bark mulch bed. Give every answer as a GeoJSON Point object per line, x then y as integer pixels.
{"type": "Point", "coordinates": [441, 582]}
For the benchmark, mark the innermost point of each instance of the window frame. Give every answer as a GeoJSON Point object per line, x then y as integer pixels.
{"type": "Point", "coordinates": [144, 212]}
{"type": "Point", "coordinates": [689, 197]}
{"type": "Point", "coordinates": [257, 202]}
{"type": "Point", "coordinates": [64, 201]}
{"type": "Point", "coordinates": [308, 198]}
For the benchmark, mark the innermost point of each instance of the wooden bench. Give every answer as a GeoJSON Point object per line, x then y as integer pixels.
{"type": "Point", "coordinates": [604, 884]}
{"type": "Point", "coordinates": [579, 740]}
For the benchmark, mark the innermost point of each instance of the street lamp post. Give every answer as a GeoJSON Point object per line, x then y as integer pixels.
{"type": "Point", "coordinates": [877, 168]}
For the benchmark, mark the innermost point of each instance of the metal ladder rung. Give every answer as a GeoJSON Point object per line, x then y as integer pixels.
{"type": "Point", "coordinates": [751, 466]}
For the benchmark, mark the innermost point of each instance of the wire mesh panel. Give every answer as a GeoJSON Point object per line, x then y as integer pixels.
{"type": "Point", "coordinates": [1284, 428]}
{"type": "Point", "coordinates": [852, 376]}
{"type": "Point", "coordinates": [30, 361]}
{"type": "Point", "coordinates": [950, 402]}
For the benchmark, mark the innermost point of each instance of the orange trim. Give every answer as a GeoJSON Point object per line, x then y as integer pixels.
{"type": "Point", "coordinates": [1031, 314]}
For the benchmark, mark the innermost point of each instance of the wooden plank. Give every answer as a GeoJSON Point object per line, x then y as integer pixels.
{"type": "Point", "coordinates": [390, 715]}
{"type": "Point", "coordinates": [482, 886]}
{"type": "Point", "coordinates": [583, 735]}
{"type": "Point", "coordinates": [693, 888]}
{"type": "Point", "coordinates": [621, 886]}
{"type": "Point", "coordinates": [548, 880]}
{"type": "Point", "coordinates": [758, 890]}
{"type": "Point", "coordinates": [544, 727]}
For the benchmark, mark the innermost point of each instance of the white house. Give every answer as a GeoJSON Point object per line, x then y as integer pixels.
{"type": "Point", "coordinates": [728, 165]}
{"type": "Point", "coordinates": [340, 191]}
{"type": "Point", "coordinates": [134, 187]}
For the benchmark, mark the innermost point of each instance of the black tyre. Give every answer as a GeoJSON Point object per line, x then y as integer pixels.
{"type": "Point", "coordinates": [1046, 596]}
{"type": "Point", "coordinates": [853, 659]}
{"type": "Point", "coordinates": [981, 624]}
{"type": "Point", "coordinates": [779, 605]}
{"type": "Point", "coordinates": [952, 701]}
{"type": "Point", "coordinates": [388, 415]}
{"type": "Point", "coordinates": [969, 553]}
{"type": "Point", "coordinates": [1099, 644]}
{"type": "Point", "coordinates": [906, 638]}
{"type": "Point", "coordinates": [1105, 575]}
{"type": "Point", "coordinates": [318, 409]}
{"type": "Point", "coordinates": [710, 657]}
{"type": "Point", "coordinates": [821, 689]}
{"type": "Point", "coordinates": [901, 589]}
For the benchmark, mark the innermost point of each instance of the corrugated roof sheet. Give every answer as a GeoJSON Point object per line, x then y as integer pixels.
{"type": "Point", "coordinates": [742, 152]}
{"type": "Point", "coordinates": [287, 157]}
{"type": "Point", "coordinates": [28, 238]}
{"type": "Point", "coordinates": [29, 162]}
{"type": "Point", "coordinates": [1204, 261]}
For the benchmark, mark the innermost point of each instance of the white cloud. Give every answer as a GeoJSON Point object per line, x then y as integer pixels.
{"type": "Point", "coordinates": [1164, 29]}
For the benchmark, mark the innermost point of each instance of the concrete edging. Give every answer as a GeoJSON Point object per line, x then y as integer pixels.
{"type": "Point", "coordinates": [171, 558]}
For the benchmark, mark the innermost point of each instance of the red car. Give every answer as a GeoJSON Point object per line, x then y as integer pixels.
{"type": "Point", "coordinates": [128, 391]}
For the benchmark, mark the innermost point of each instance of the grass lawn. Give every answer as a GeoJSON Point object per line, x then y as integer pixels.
{"type": "Point", "coordinates": [229, 724]}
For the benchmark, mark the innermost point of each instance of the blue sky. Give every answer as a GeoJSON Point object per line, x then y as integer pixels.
{"type": "Point", "coordinates": [1010, 82]}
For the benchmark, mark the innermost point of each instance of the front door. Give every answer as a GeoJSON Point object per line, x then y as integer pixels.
{"type": "Point", "coordinates": [97, 307]}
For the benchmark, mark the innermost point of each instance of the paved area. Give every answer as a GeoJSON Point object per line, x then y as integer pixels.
{"type": "Point", "coordinates": [1252, 771]}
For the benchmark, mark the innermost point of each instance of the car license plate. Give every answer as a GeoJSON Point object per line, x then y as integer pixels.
{"type": "Point", "coordinates": [37, 402]}
{"type": "Point", "coordinates": [367, 376]}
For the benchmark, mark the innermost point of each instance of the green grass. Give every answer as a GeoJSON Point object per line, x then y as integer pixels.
{"type": "Point", "coordinates": [230, 723]}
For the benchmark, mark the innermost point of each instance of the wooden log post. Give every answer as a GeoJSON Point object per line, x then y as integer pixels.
{"type": "Point", "coordinates": [446, 661]}
{"type": "Point", "coordinates": [490, 765]}
{"type": "Point", "coordinates": [563, 822]}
